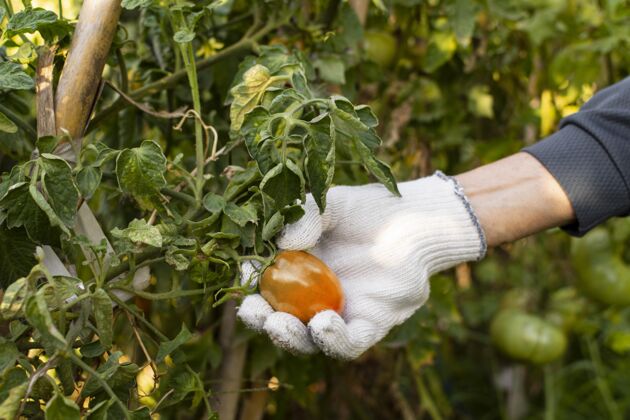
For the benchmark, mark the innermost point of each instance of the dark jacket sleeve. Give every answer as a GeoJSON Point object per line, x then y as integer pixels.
{"type": "Point", "coordinates": [590, 157]}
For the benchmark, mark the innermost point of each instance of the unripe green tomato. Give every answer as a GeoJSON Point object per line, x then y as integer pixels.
{"type": "Point", "coordinates": [380, 47]}
{"type": "Point", "coordinates": [602, 274]}
{"type": "Point", "coordinates": [606, 281]}
{"type": "Point", "coordinates": [596, 244]}
{"type": "Point", "coordinates": [527, 337]}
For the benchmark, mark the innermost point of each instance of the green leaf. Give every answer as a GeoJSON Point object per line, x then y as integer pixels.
{"type": "Point", "coordinates": [106, 371]}
{"type": "Point", "coordinates": [17, 255]}
{"type": "Point", "coordinates": [104, 315]}
{"type": "Point", "coordinates": [331, 68]}
{"type": "Point", "coordinates": [60, 189]}
{"type": "Point", "coordinates": [442, 46]}
{"type": "Point", "coordinates": [273, 226]}
{"type": "Point", "coordinates": [349, 128]}
{"type": "Point", "coordinates": [140, 172]}
{"type": "Point", "coordinates": [30, 20]}
{"type": "Point", "coordinates": [65, 374]}
{"type": "Point", "coordinates": [13, 299]}
{"type": "Point", "coordinates": [175, 259]}
{"type": "Point", "coordinates": [142, 413]}
{"type": "Point", "coordinates": [7, 125]}
{"type": "Point", "coordinates": [12, 77]}
{"type": "Point", "coordinates": [293, 213]}
{"type": "Point", "coordinates": [169, 347]}
{"type": "Point", "coordinates": [10, 406]}
{"type": "Point", "coordinates": [22, 210]}
{"type": "Point", "coordinates": [184, 36]}
{"type": "Point", "coordinates": [140, 232]}
{"type": "Point", "coordinates": [319, 146]}
{"type": "Point", "coordinates": [241, 215]}
{"type": "Point", "coordinates": [259, 137]}
{"type": "Point", "coordinates": [463, 15]}
{"type": "Point", "coordinates": [93, 349]}
{"type": "Point", "coordinates": [53, 217]}
{"type": "Point", "coordinates": [47, 144]}
{"type": "Point", "coordinates": [366, 115]}
{"type": "Point", "coordinates": [214, 203]}
{"type": "Point", "coordinates": [248, 93]}
{"type": "Point", "coordinates": [64, 288]}
{"type": "Point", "coordinates": [134, 4]}
{"type": "Point", "coordinates": [119, 376]}
{"type": "Point", "coordinates": [88, 180]}
{"type": "Point", "coordinates": [283, 185]}
{"type": "Point", "coordinates": [241, 182]}
{"type": "Point", "coordinates": [62, 408]}
{"type": "Point", "coordinates": [8, 355]}
{"type": "Point", "coordinates": [38, 315]}
{"type": "Point", "coordinates": [381, 171]}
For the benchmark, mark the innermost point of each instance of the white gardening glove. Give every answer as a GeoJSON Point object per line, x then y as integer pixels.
{"type": "Point", "coordinates": [383, 248]}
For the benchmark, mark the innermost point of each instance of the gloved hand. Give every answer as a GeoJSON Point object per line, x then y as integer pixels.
{"type": "Point", "coordinates": [383, 248]}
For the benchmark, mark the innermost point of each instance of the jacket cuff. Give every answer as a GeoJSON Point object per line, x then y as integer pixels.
{"type": "Point", "coordinates": [588, 175]}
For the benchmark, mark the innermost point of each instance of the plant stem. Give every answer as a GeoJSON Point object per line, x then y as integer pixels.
{"type": "Point", "coordinates": [77, 361]}
{"type": "Point", "coordinates": [60, 9]}
{"type": "Point", "coordinates": [602, 385]}
{"type": "Point", "coordinates": [189, 63]}
{"type": "Point", "coordinates": [173, 294]}
{"type": "Point", "coordinates": [180, 196]}
{"type": "Point", "coordinates": [425, 398]}
{"type": "Point", "coordinates": [550, 398]}
{"type": "Point", "coordinates": [124, 266]}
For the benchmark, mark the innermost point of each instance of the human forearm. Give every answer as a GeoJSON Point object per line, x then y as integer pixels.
{"type": "Point", "coordinates": [515, 197]}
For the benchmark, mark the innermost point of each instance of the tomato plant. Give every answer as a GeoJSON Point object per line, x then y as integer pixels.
{"type": "Point", "coordinates": [301, 284]}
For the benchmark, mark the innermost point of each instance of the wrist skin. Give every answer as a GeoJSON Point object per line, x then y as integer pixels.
{"type": "Point", "coordinates": [515, 197]}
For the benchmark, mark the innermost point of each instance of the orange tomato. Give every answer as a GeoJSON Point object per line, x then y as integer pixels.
{"type": "Point", "coordinates": [301, 284]}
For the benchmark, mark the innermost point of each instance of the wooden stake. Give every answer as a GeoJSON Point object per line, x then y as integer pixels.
{"type": "Point", "coordinates": [81, 76]}
{"type": "Point", "coordinates": [45, 93]}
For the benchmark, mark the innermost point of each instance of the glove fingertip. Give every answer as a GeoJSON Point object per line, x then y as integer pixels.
{"type": "Point", "coordinates": [341, 340]}
{"type": "Point", "coordinates": [289, 333]}
{"type": "Point", "coordinates": [254, 311]}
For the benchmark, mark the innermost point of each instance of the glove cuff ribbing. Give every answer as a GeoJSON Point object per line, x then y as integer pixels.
{"type": "Point", "coordinates": [460, 237]}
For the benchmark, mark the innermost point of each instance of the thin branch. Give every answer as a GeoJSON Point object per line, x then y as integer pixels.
{"type": "Point", "coordinates": [178, 113]}
{"type": "Point", "coordinates": [142, 319]}
{"type": "Point", "coordinates": [40, 372]}
{"type": "Point", "coordinates": [173, 294]}
{"type": "Point", "coordinates": [188, 199]}
{"type": "Point", "coordinates": [77, 360]}
{"type": "Point", "coordinates": [156, 376]}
